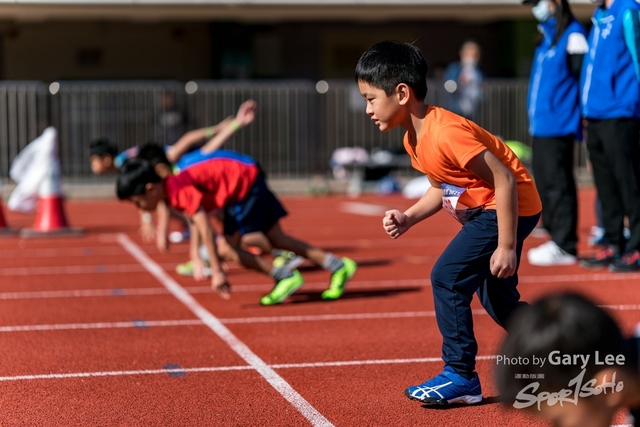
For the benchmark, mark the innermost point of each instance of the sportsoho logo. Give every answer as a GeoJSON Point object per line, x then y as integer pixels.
{"type": "Point", "coordinates": [576, 387]}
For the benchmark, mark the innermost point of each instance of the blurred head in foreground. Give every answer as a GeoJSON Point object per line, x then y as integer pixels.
{"type": "Point", "coordinates": [566, 360]}
{"type": "Point", "coordinates": [101, 156]}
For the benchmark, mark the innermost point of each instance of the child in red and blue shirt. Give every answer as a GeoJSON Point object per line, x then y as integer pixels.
{"type": "Point", "coordinates": [232, 182]}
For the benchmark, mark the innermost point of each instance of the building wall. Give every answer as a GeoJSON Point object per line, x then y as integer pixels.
{"type": "Point", "coordinates": [105, 50]}
{"type": "Point", "coordinates": [55, 50]}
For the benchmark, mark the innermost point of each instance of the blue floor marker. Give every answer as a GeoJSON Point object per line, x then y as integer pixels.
{"type": "Point", "coordinates": [117, 291]}
{"type": "Point", "coordinates": [100, 269]}
{"type": "Point", "coordinates": [174, 370]}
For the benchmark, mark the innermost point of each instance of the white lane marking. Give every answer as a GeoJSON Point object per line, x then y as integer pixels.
{"type": "Point", "coordinates": [357, 284]}
{"type": "Point", "coordinates": [87, 251]}
{"type": "Point", "coordinates": [100, 325]}
{"type": "Point", "coordinates": [247, 320]}
{"type": "Point", "coordinates": [84, 293]}
{"type": "Point", "coordinates": [75, 269]}
{"type": "Point", "coordinates": [276, 381]}
{"type": "Point", "coordinates": [230, 368]}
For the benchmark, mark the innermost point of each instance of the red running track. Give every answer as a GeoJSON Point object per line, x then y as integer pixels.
{"type": "Point", "coordinates": [100, 331]}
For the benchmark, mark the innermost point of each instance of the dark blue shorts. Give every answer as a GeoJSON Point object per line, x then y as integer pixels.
{"type": "Point", "coordinates": [259, 210]}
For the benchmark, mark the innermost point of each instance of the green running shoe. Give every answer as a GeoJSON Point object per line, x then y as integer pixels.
{"type": "Point", "coordinates": [287, 260]}
{"type": "Point", "coordinates": [339, 279]}
{"type": "Point", "coordinates": [283, 289]}
{"type": "Point", "coordinates": [186, 268]}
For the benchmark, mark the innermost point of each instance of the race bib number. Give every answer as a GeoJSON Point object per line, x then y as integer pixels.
{"type": "Point", "coordinates": [450, 202]}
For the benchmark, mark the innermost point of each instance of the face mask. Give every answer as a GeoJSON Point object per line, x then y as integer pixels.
{"type": "Point", "coordinates": [541, 11]}
{"type": "Point", "coordinates": [468, 62]}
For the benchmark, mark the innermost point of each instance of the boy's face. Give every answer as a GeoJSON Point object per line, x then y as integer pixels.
{"type": "Point", "coordinates": [384, 110]}
{"type": "Point", "coordinates": [101, 164]}
{"type": "Point", "coordinates": [149, 200]}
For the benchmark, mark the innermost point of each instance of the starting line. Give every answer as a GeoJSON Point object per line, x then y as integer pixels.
{"type": "Point", "coordinates": [142, 324]}
{"type": "Point", "coordinates": [229, 368]}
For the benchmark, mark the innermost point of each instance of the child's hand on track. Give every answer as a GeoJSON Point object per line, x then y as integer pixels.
{"type": "Point", "coordinates": [147, 232]}
{"type": "Point", "coordinates": [198, 270]}
{"type": "Point", "coordinates": [162, 243]}
{"type": "Point", "coordinates": [220, 284]}
{"type": "Point", "coordinates": [395, 223]}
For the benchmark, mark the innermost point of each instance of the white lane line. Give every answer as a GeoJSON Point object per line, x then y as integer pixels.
{"type": "Point", "coordinates": [357, 284]}
{"type": "Point", "coordinates": [100, 325]}
{"type": "Point", "coordinates": [74, 269]}
{"type": "Point", "coordinates": [276, 381]}
{"type": "Point", "coordinates": [249, 320]}
{"type": "Point", "coordinates": [231, 368]}
{"type": "Point", "coordinates": [87, 251]}
{"type": "Point", "coordinates": [84, 293]}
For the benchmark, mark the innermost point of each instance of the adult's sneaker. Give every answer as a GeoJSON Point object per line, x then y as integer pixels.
{"type": "Point", "coordinates": [339, 279]}
{"type": "Point", "coordinates": [283, 289]}
{"type": "Point", "coordinates": [287, 260]}
{"type": "Point", "coordinates": [549, 254]}
{"type": "Point", "coordinates": [629, 262]}
{"type": "Point", "coordinates": [606, 256]}
{"type": "Point", "coordinates": [446, 388]}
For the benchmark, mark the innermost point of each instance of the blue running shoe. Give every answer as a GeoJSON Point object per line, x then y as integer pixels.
{"type": "Point", "coordinates": [446, 388]}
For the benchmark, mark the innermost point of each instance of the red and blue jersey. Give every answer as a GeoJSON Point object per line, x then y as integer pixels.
{"type": "Point", "coordinates": [211, 181]}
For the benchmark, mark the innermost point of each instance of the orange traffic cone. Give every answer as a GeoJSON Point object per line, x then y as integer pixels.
{"type": "Point", "coordinates": [5, 230]}
{"type": "Point", "coordinates": [51, 220]}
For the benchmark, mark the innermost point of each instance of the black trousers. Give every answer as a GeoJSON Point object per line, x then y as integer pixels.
{"type": "Point", "coordinates": [553, 173]}
{"type": "Point", "coordinates": [614, 151]}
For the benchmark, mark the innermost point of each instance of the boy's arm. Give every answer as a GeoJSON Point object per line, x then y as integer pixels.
{"type": "Point", "coordinates": [491, 170]}
{"type": "Point", "coordinates": [218, 277]}
{"type": "Point", "coordinates": [191, 138]}
{"type": "Point", "coordinates": [162, 228]}
{"type": "Point", "coordinates": [146, 226]}
{"type": "Point", "coordinates": [245, 116]}
{"type": "Point", "coordinates": [396, 223]}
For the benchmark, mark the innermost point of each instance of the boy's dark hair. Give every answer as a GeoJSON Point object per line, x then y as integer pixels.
{"type": "Point", "coordinates": [387, 64]}
{"type": "Point", "coordinates": [101, 147]}
{"type": "Point", "coordinates": [135, 174]}
{"type": "Point", "coordinates": [154, 154]}
{"type": "Point", "coordinates": [565, 322]}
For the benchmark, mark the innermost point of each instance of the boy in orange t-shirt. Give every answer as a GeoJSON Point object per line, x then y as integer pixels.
{"type": "Point", "coordinates": [481, 183]}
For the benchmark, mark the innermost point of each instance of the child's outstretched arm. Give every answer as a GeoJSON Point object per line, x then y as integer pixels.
{"type": "Point", "coordinates": [146, 226]}
{"type": "Point", "coordinates": [191, 138]}
{"type": "Point", "coordinates": [491, 170]}
{"type": "Point", "coordinates": [245, 116]}
{"type": "Point", "coordinates": [162, 228]}
{"type": "Point", "coordinates": [396, 223]}
{"type": "Point", "coordinates": [218, 277]}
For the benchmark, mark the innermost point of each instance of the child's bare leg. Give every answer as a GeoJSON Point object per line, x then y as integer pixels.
{"type": "Point", "coordinates": [287, 281]}
{"type": "Point", "coordinates": [280, 240]}
{"type": "Point", "coordinates": [229, 249]}
{"type": "Point", "coordinates": [341, 269]}
{"type": "Point", "coordinates": [258, 240]}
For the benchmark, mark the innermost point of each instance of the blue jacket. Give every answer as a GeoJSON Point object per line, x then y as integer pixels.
{"type": "Point", "coordinates": [554, 91]}
{"type": "Point", "coordinates": [609, 83]}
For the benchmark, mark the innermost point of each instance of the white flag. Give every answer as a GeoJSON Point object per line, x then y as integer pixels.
{"type": "Point", "coordinates": [31, 169]}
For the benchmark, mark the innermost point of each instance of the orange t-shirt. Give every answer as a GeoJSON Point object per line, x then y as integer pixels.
{"type": "Point", "coordinates": [446, 144]}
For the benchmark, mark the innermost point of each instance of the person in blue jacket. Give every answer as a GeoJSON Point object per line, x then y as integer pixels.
{"type": "Point", "coordinates": [610, 97]}
{"type": "Point", "coordinates": [555, 124]}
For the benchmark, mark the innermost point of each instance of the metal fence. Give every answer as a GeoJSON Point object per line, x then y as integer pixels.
{"type": "Point", "coordinates": [296, 129]}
